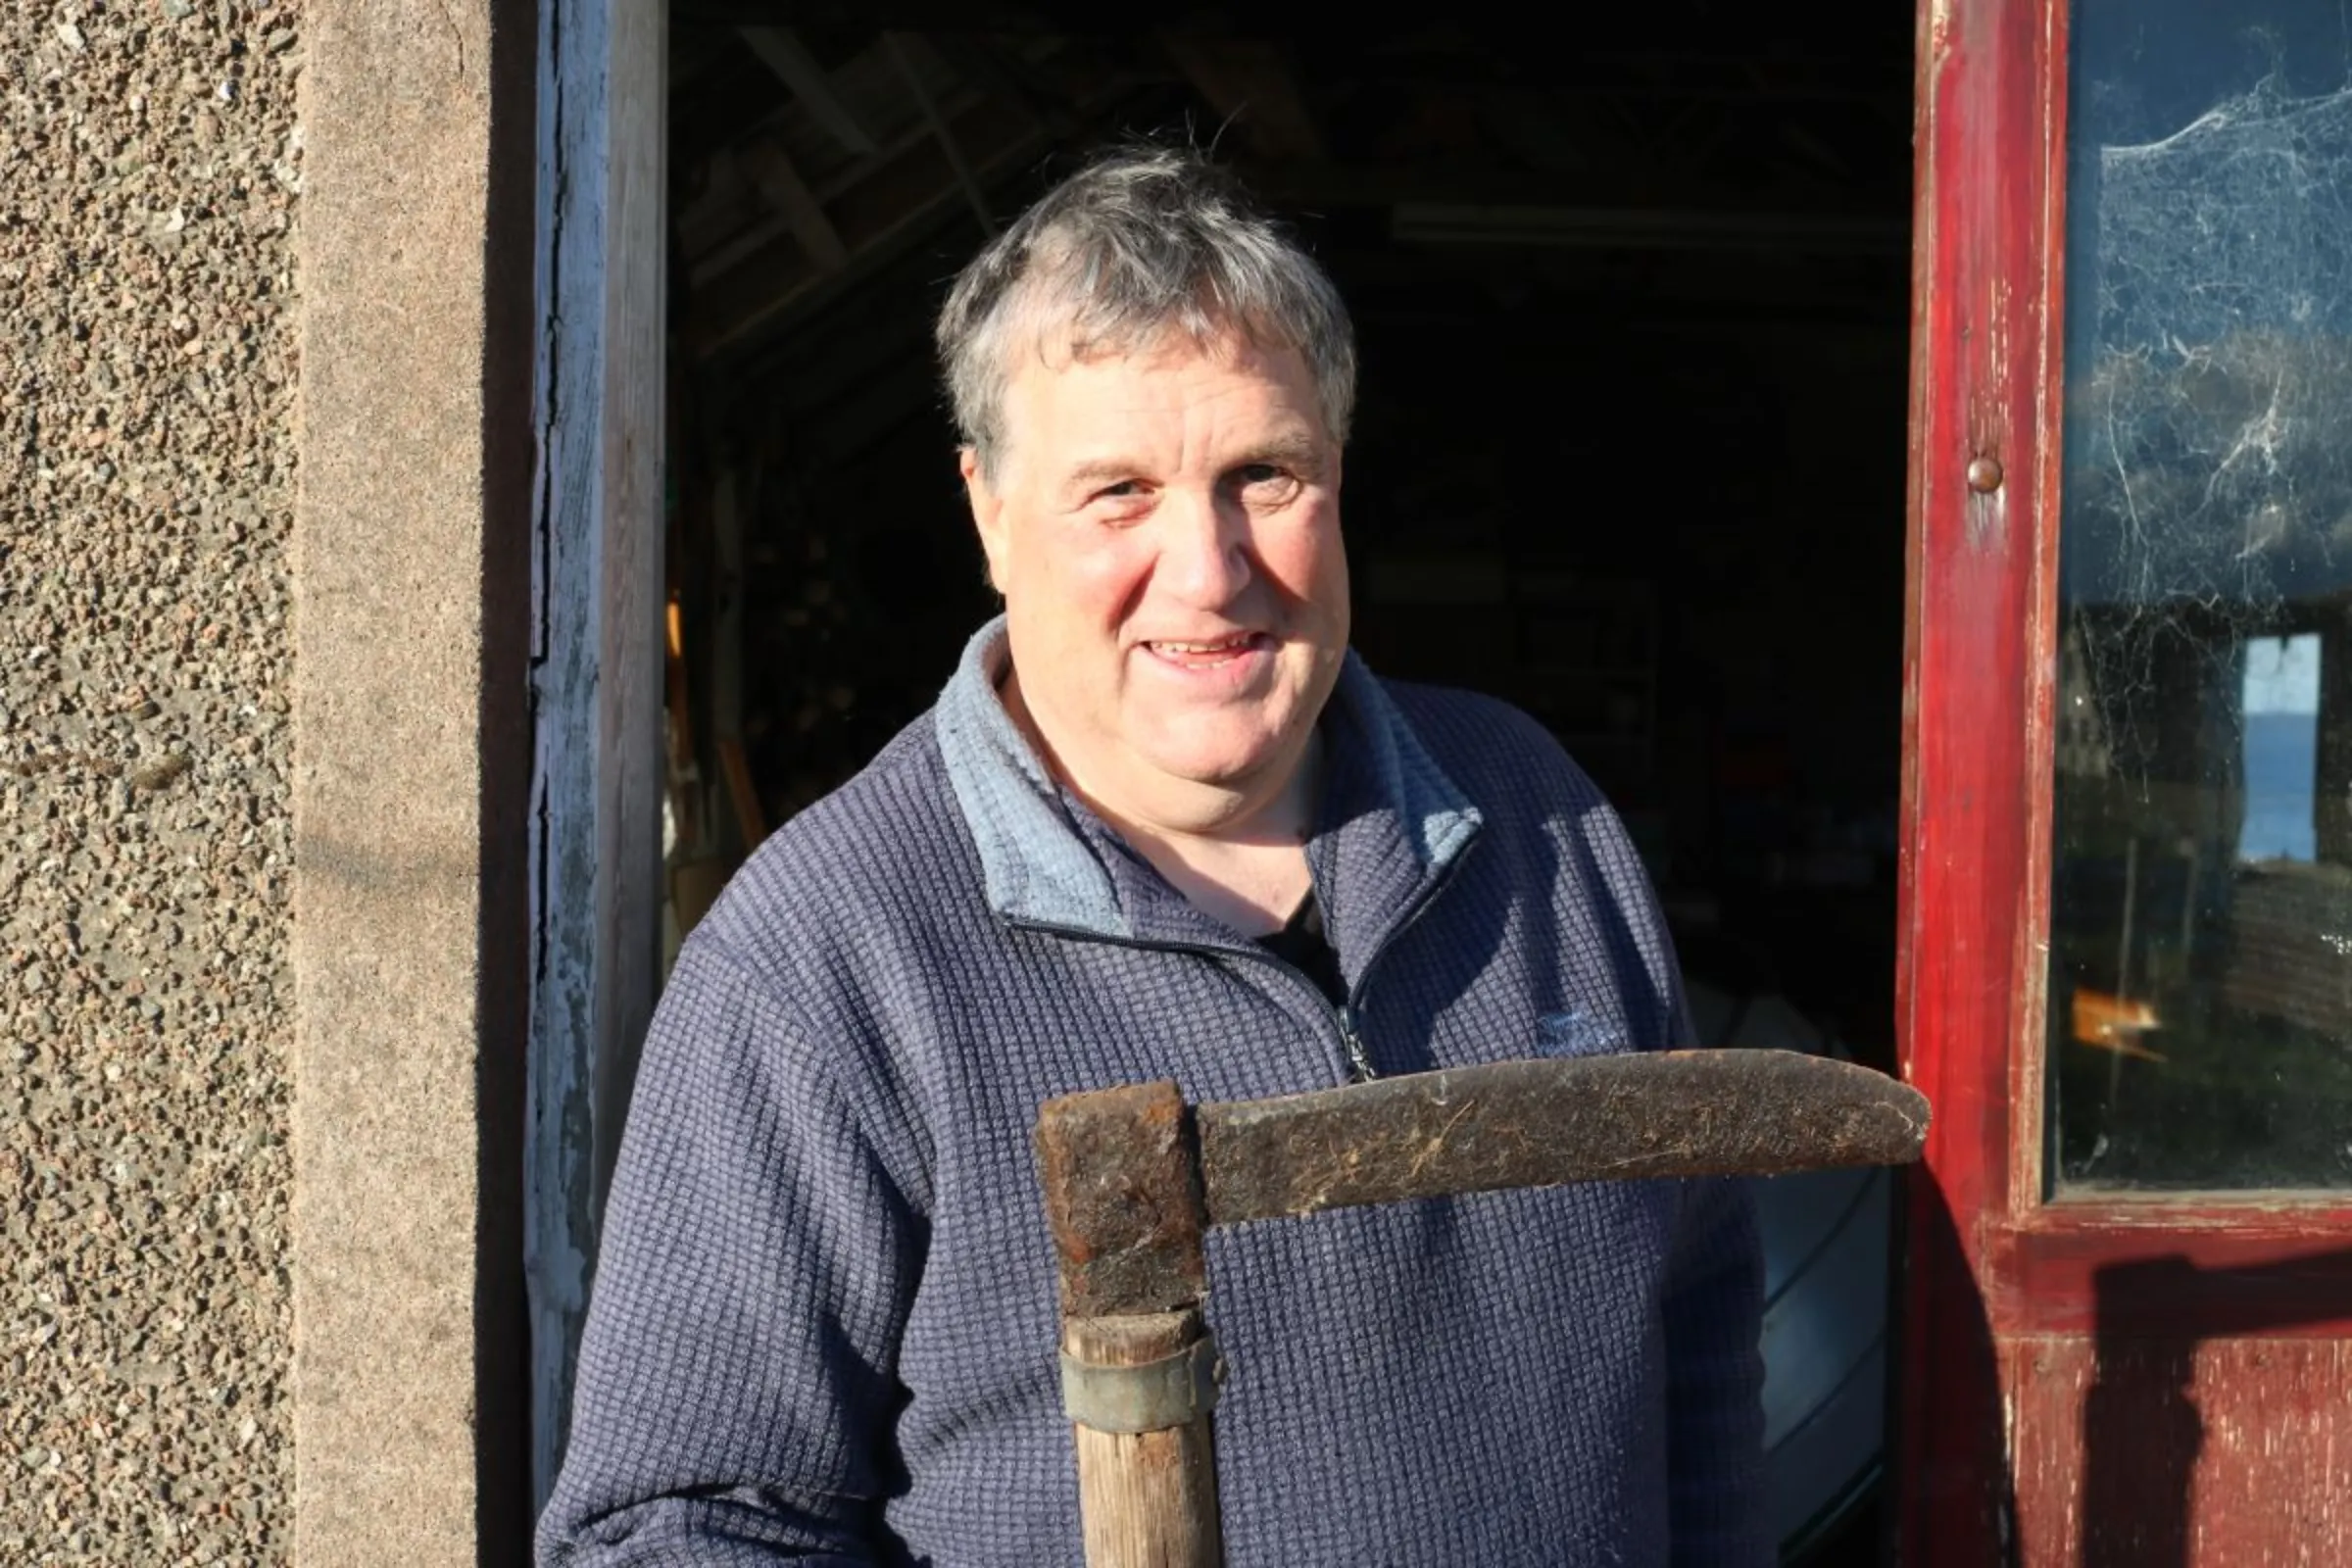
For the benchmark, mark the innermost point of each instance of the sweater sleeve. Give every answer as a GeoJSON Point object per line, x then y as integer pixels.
{"type": "Point", "coordinates": [1714, 1303]}
{"type": "Point", "coordinates": [737, 1380]}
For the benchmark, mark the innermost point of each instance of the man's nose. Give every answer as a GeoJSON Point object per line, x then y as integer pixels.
{"type": "Point", "coordinates": [1204, 552]}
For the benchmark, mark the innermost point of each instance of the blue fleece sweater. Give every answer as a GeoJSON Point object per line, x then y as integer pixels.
{"type": "Point", "coordinates": [824, 1320]}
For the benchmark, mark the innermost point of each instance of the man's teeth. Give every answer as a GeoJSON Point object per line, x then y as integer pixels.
{"type": "Point", "coordinates": [1224, 644]}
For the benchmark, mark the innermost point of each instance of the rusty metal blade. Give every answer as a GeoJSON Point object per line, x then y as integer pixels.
{"type": "Point", "coordinates": [1123, 1199]}
{"type": "Point", "coordinates": [1547, 1122]}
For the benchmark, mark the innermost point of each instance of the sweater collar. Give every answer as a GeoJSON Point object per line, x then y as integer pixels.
{"type": "Point", "coordinates": [1391, 821]}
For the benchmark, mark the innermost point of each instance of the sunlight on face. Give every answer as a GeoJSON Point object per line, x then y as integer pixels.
{"type": "Point", "coordinates": [1165, 529]}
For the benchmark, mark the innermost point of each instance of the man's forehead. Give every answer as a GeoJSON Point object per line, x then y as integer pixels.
{"type": "Point", "coordinates": [1066, 348]}
{"type": "Point", "coordinates": [1085, 398]}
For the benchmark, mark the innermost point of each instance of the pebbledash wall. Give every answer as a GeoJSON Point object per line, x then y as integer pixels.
{"type": "Point", "coordinates": [147, 344]}
{"type": "Point", "coordinates": [266, 502]}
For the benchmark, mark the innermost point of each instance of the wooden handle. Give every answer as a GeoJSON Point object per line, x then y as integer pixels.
{"type": "Point", "coordinates": [1146, 1500]}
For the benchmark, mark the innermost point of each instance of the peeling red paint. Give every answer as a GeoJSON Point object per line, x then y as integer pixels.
{"type": "Point", "coordinates": [2157, 1383]}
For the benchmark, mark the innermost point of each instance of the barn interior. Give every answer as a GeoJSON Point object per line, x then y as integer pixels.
{"type": "Point", "coordinates": [1633, 306]}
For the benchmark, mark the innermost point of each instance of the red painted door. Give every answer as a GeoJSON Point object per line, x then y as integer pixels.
{"type": "Point", "coordinates": [2126, 974]}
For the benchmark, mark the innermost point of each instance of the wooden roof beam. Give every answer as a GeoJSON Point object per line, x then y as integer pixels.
{"type": "Point", "coordinates": [1652, 228]}
{"type": "Point", "coordinates": [899, 56]}
{"type": "Point", "coordinates": [780, 185]}
{"type": "Point", "coordinates": [901, 195]}
{"type": "Point", "coordinates": [780, 49]}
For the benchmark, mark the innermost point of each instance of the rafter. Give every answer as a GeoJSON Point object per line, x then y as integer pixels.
{"type": "Point", "coordinates": [780, 185]}
{"type": "Point", "coordinates": [780, 49]}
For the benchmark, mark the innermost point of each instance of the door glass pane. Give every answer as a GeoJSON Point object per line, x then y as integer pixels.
{"type": "Point", "coordinates": [2201, 901]}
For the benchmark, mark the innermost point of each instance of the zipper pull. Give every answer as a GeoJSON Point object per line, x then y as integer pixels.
{"type": "Point", "coordinates": [1360, 1061]}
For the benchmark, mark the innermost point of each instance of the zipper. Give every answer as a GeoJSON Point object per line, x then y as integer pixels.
{"type": "Point", "coordinates": [1360, 1061]}
{"type": "Point", "coordinates": [1350, 1016]}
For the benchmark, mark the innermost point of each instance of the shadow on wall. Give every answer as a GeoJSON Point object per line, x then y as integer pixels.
{"type": "Point", "coordinates": [2142, 1430]}
{"type": "Point", "coordinates": [1955, 1494]}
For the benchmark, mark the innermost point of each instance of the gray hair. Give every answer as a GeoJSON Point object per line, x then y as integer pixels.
{"type": "Point", "coordinates": [1142, 242]}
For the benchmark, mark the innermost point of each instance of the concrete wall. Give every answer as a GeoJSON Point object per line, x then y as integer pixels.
{"type": "Point", "coordinates": [147, 347]}
{"type": "Point", "coordinates": [413, 610]}
{"type": "Point", "coordinates": [264, 759]}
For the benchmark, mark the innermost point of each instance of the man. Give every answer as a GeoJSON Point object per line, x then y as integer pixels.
{"type": "Point", "coordinates": [1159, 826]}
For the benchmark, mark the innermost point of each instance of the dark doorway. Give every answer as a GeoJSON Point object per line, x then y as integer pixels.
{"type": "Point", "coordinates": [1632, 306]}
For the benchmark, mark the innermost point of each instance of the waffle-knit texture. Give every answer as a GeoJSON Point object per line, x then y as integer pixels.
{"type": "Point", "coordinates": [824, 1321]}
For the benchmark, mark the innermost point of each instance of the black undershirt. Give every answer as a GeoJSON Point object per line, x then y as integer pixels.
{"type": "Point", "coordinates": [1301, 945]}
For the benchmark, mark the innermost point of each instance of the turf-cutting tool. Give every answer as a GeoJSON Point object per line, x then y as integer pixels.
{"type": "Point", "coordinates": [1134, 1178]}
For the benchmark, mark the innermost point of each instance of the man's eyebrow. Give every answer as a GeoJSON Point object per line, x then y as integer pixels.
{"type": "Point", "coordinates": [1294, 449]}
{"type": "Point", "coordinates": [1094, 470]}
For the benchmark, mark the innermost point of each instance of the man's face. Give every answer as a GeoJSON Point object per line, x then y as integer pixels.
{"type": "Point", "coordinates": [1164, 527]}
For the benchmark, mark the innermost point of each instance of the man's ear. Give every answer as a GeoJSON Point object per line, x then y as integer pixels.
{"type": "Point", "coordinates": [988, 515]}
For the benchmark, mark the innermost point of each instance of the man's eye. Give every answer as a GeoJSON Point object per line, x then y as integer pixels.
{"type": "Point", "coordinates": [1121, 491]}
{"type": "Point", "coordinates": [1265, 484]}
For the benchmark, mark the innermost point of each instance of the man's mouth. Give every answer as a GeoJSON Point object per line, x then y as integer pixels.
{"type": "Point", "coordinates": [1203, 652]}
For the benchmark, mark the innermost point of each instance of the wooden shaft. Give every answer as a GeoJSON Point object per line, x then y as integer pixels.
{"type": "Point", "coordinates": [1146, 1500]}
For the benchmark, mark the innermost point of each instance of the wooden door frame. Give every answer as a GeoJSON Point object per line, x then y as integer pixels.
{"type": "Point", "coordinates": [598, 405]}
{"type": "Point", "coordinates": [1973, 889]}
{"type": "Point", "coordinates": [1986, 1258]}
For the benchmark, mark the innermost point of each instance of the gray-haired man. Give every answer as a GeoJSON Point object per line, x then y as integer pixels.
{"type": "Point", "coordinates": [1161, 824]}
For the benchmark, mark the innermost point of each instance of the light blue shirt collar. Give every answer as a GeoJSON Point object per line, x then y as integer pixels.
{"type": "Point", "coordinates": [1040, 868]}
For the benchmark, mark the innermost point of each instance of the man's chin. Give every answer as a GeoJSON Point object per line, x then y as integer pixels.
{"type": "Point", "coordinates": [1227, 766]}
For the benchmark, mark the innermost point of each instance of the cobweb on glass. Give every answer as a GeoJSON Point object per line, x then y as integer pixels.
{"type": "Point", "coordinates": [2209, 471]}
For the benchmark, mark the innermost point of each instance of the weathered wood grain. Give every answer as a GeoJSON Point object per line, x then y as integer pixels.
{"type": "Point", "coordinates": [1146, 1500]}
{"type": "Point", "coordinates": [596, 655]}
{"type": "Point", "coordinates": [1976, 788]}
{"type": "Point", "coordinates": [1547, 1122]}
{"type": "Point", "coordinates": [2175, 1454]}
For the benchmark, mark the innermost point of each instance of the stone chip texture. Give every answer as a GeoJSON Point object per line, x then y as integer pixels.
{"type": "Point", "coordinates": [146, 488]}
